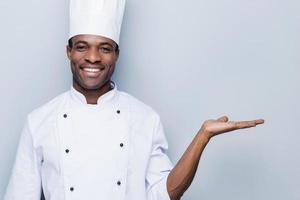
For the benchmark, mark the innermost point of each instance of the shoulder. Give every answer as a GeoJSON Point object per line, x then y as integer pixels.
{"type": "Point", "coordinates": [46, 111]}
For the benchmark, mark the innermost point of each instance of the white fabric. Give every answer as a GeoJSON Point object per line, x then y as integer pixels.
{"type": "Point", "coordinates": [95, 161]}
{"type": "Point", "coordinates": [97, 17]}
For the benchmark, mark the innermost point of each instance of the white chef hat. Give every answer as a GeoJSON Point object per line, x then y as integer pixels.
{"type": "Point", "coordinates": [97, 17]}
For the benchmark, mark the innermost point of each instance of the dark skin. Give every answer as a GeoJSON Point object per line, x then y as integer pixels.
{"type": "Point", "coordinates": [93, 59]}
{"type": "Point", "coordinates": [183, 173]}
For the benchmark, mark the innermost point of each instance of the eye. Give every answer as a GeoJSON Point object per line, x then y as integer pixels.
{"type": "Point", "coordinates": [80, 47]}
{"type": "Point", "coordinates": [106, 49]}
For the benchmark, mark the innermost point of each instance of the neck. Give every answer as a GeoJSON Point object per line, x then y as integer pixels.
{"type": "Point", "coordinates": [92, 95]}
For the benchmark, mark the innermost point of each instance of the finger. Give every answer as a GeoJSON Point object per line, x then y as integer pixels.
{"type": "Point", "coordinates": [259, 121]}
{"type": "Point", "coordinates": [243, 124]}
{"type": "Point", "coordinates": [256, 121]}
{"type": "Point", "coordinates": [223, 119]}
{"type": "Point", "coordinates": [248, 124]}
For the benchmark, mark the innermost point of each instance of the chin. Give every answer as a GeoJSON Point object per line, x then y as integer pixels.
{"type": "Point", "coordinates": [94, 86]}
{"type": "Point", "coordinates": [89, 84]}
{"type": "Point", "coordinates": [91, 87]}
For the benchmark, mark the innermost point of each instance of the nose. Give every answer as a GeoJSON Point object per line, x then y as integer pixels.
{"type": "Point", "coordinates": [93, 56]}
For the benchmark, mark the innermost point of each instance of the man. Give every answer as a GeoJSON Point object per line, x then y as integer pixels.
{"type": "Point", "coordinates": [95, 142]}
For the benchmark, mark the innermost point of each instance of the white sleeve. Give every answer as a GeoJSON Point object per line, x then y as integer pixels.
{"type": "Point", "coordinates": [25, 180]}
{"type": "Point", "coordinates": [159, 166]}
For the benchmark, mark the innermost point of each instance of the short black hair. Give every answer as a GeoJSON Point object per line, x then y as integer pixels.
{"type": "Point", "coordinates": [70, 44]}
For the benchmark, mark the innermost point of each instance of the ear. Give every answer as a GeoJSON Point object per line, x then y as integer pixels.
{"type": "Point", "coordinates": [68, 50]}
{"type": "Point", "coordinates": [117, 54]}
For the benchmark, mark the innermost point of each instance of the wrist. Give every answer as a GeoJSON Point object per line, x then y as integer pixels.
{"type": "Point", "coordinates": [204, 136]}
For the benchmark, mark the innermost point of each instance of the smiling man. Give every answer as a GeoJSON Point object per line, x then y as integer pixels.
{"type": "Point", "coordinates": [94, 141]}
{"type": "Point", "coordinates": [93, 59]}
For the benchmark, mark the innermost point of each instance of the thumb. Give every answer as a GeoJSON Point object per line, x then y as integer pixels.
{"type": "Point", "coordinates": [223, 119]}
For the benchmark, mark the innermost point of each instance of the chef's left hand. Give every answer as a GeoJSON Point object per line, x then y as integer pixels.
{"type": "Point", "coordinates": [212, 127]}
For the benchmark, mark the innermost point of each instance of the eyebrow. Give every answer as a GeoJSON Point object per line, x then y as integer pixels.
{"type": "Point", "coordinates": [86, 43]}
{"type": "Point", "coordinates": [80, 42]}
{"type": "Point", "coordinates": [106, 43]}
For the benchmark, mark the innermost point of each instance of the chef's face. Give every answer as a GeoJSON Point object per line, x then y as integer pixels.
{"type": "Point", "coordinates": [93, 60]}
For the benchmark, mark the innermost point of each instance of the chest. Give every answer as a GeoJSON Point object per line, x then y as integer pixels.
{"type": "Point", "coordinates": [94, 141]}
{"type": "Point", "coordinates": [94, 134]}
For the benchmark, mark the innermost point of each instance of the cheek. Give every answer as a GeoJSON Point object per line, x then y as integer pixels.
{"type": "Point", "coordinates": [109, 59]}
{"type": "Point", "coordinates": [76, 59]}
{"type": "Point", "coordinates": [75, 66]}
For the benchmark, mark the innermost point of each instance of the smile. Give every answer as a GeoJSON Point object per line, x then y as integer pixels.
{"type": "Point", "coordinates": [93, 70]}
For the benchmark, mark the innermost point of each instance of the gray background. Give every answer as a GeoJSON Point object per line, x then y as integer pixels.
{"type": "Point", "coordinates": [190, 60]}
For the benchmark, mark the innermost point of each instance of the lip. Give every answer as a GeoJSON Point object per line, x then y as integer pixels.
{"type": "Point", "coordinates": [92, 72]}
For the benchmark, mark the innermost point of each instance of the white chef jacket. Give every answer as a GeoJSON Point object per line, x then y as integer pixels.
{"type": "Point", "coordinates": [114, 150]}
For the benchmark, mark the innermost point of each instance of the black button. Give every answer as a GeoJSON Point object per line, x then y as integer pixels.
{"type": "Point", "coordinates": [121, 145]}
{"type": "Point", "coordinates": [119, 182]}
{"type": "Point", "coordinates": [67, 150]}
{"type": "Point", "coordinates": [65, 115]}
{"type": "Point", "coordinates": [118, 111]}
{"type": "Point", "coordinates": [71, 189]}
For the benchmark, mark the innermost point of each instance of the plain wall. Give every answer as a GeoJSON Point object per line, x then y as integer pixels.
{"type": "Point", "coordinates": [190, 60]}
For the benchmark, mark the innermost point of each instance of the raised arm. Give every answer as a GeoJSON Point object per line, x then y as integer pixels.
{"type": "Point", "coordinates": [181, 177]}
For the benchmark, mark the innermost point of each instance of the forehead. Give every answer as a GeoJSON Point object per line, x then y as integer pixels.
{"type": "Point", "coordinates": [92, 39]}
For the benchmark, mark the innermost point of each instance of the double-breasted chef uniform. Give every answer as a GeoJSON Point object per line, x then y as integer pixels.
{"type": "Point", "coordinates": [114, 150]}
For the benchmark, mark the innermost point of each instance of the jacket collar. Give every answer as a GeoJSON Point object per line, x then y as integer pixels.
{"type": "Point", "coordinates": [105, 98]}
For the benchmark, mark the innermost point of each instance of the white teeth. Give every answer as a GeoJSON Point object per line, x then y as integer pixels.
{"type": "Point", "coordinates": [91, 69]}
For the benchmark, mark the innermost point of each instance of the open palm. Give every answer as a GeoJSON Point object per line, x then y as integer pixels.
{"type": "Point", "coordinates": [214, 127]}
